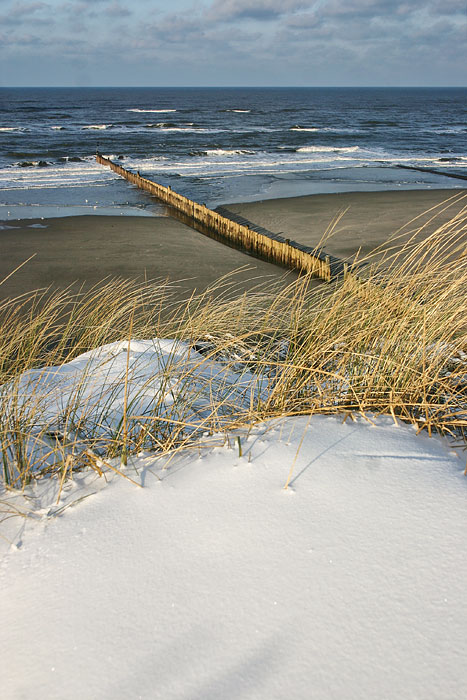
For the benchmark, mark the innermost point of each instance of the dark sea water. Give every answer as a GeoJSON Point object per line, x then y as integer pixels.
{"type": "Point", "coordinates": [217, 145]}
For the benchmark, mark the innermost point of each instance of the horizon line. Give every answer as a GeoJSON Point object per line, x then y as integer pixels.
{"type": "Point", "coordinates": [235, 87]}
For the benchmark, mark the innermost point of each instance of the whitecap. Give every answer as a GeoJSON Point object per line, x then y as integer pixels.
{"type": "Point", "coordinates": [327, 149]}
{"type": "Point", "coordinates": [303, 128]}
{"type": "Point", "coordinates": [184, 129]}
{"type": "Point", "coordinates": [224, 152]}
{"type": "Point", "coordinates": [97, 126]}
{"type": "Point", "coordinates": [342, 130]}
{"type": "Point", "coordinates": [151, 111]}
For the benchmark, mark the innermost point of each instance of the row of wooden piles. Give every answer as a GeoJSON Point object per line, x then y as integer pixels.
{"type": "Point", "coordinates": [237, 232]}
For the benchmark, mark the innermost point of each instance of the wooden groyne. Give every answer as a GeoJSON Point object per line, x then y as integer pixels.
{"type": "Point", "coordinates": [456, 175]}
{"type": "Point", "coordinates": [236, 231]}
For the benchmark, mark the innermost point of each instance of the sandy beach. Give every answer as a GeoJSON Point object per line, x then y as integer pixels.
{"type": "Point", "coordinates": [87, 249]}
{"type": "Point", "coordinates": [369, 218]}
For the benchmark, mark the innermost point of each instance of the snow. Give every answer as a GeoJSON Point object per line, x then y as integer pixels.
{"type": "Point", "coordinates": [213, 582]}
{"type": "Point", "coordinates": [166, 377]}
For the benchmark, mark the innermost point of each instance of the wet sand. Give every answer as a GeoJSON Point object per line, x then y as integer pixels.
{"type": "Point", "coordinates": [86, 249]}
{"type": "Point", "coordinates": [370, 217]}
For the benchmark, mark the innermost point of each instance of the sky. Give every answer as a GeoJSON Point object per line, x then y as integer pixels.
{"type": "Point", "coordinates": [233, 43]}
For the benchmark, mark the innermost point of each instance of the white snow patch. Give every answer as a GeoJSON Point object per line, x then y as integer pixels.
{"type": "Point", "coordinates": [213, 582]}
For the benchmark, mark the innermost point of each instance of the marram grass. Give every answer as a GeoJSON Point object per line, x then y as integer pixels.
{"type": "Point", "coordinates": [390, 338]}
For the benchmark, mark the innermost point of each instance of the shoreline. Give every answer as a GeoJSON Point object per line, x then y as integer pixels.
{"type": "Point", "coordinates": [86, 249]}
{"type": "Point", "coordinates": [115, 197]}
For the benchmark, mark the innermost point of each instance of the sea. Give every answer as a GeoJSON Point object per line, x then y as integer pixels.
{"type": "Point", "coordinates": [221, 145]}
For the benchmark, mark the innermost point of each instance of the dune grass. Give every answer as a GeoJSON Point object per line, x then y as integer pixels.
{"type": "Point", "coordinates": [390, 338]}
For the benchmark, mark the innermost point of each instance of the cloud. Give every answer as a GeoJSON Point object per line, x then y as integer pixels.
{"type": "Point", "coordinates": [172, 29]}
{"type": "Point", "coordinates": [82, 3]}
{"type": "Point", "coordinates": [228, 10]}
{"type": "Point", "coordinates": [303, 21]}
{"type": "Point", "coordinates": [374, 19]}
{"type": "Point", "coordinates": [115, 9]}
{"type": "Point", "coordinates": [241, 41]}
{"type": "Point", "coordinates": [369, 8]}
{"type": "Point", "coordinates": [22, 12]}
{"type": "Point", "coordinates": [450, 7]}
{"type": "Point", "coordinates": [21, 9]}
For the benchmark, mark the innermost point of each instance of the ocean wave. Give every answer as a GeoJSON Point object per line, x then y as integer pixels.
{"type": "Point", "coordinates": [58, 128]}
{"type": "Point", "coordinates": [166, 127]}
{"type": "Point", "coordinates": [239, 111]}
{"type": "Point", "coordinates": [150, 111]}
{"type": "Point", "coordinates": [97, 127]}
{"type": "Point", "coordinates": [328, 149]}
{"type": "Point", "coordinates": [227, 152]}
{"type": "Point", "coordinates": [328, 129]}
{"type": "Point", "coordinates": [210, 163]}
{"type": "Point", "coordinates": [13, 128]}
{"type": "Point", "coordinates": [451, 159]}
{"type": "Point", "coordinates": [55, 175]}
{"type": "Point", "coordinates": [163, 125]}
{"type": "Point", "coordinates": [447, 130]}
{"type": "Point", "coordinates": [304, 128]}
{"type": "Point", "coordinates": [32, 163]}
{"type": "Point", "coordinates": [342, 130]}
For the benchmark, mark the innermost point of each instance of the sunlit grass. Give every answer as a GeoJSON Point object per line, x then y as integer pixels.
{"type": "Point", "coordinates": [390, 338]}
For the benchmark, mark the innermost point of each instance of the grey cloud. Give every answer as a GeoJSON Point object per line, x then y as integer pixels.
{"type": "Point", "coordinates": [175, 28]}
{"type": "Point", "coordinates": [401, 8]}
{"type": "Point", "coordinates": [226, 10]}
{"type": "Point", "coordinates": [361, 17]}
{"type": "Point", "coordinates": [19, 12]}
{"type": "Point", "coordinates": [322, 41]}
{"type": "Point", "coordinates": [79, 9]}
{"type": "Point", "coordinates": [443, 29]}
{"type": "Point", "coordinates": [80, 3]}
{"type": "Point", "coordinates": [369, 8]}
{"type": "Point", "coordinates": [22, 9]}
{"type": "Point", "coordinates": [23, 41]}
{"type": "Point", "coordinates": [450, 7]}
{"type": "Point", "coordinates": [92, 9]}
{"type": "Point", "coordinates": [398, 35]}
{"type": "Point", "coordinates": [305, 20]}
{"type": "Point", "coordinates": [115, 9]}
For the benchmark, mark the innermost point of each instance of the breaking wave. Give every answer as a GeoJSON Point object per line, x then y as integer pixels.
{"type": "Point", "coordinates": [304, 128]}
{"type": "Point", "coordinates": [328, 149]}
{"type": "Point", "coordinates": [226, 152]}
{"type": "Point", "coordinates": [13, 128]}
{"type": "Point", "coordinates": [97, 127]}
{"type": "Point", "coordinates": [150, 111]}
